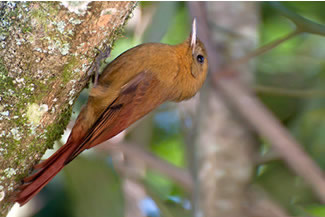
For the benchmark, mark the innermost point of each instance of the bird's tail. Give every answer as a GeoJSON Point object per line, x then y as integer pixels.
{"type": "Point", "coordinates": [45, 172]}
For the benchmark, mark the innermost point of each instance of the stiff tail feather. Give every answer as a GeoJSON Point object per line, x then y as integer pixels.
{"type": "Point", "coordinates": [46, 171]}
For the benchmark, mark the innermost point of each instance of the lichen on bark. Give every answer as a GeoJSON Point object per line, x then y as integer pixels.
{"type": "Point", "coordinates": [46, 49]}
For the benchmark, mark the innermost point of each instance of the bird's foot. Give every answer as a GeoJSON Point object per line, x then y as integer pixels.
{"type": "Point", "coordinates": [94, 69]}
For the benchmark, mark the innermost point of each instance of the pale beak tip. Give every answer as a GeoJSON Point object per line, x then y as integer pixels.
{"type": "Point", "coordinates": [193, 35]}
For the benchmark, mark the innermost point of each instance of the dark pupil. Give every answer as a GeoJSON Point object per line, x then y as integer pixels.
{"type": "Point", "coordinates": [200, 58]}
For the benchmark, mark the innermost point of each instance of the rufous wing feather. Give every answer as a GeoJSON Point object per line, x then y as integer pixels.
{"type": "Point", "coordinates": [137, 98]}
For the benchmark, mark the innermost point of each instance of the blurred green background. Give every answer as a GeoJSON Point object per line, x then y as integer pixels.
{"type": "Point", "coordinates": [91, 186]}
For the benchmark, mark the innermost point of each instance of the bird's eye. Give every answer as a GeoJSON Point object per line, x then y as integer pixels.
{"type": "Point", "coordinates": [200, 58]}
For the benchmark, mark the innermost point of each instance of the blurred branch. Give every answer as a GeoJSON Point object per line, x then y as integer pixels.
{"type": "Point", "coordinates": [161, 206]}
{"type": "Point", "coordinates": [134, 193]}
{"type": "Point", "coordinates": [137, 179]}
{"type": "Point", "coordinates": [288, 92]}
{"type": "Point", "coordinates": [303, 24]}
{"type": "Point", "coordinates": [180, 176]}
{"type": "Point", "coordinates": [260, 205]}
{"type": "Point", "coordinates": [134, 151]}
{"type": "Point", "coordinates": [266, 158]}
{"type": "Point", "coordinates": [261, 50]}
{"type": "Point", "coordinates": [269, 127]}
{"type": "Point", "coordinates": [264, 122]}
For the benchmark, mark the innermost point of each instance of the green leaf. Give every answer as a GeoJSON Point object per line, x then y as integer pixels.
{"type": "Point", "coordinates": [316, 210]}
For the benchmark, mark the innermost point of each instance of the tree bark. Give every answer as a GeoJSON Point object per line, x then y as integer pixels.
{"type": "Point", "coordinates": [46, 50]}
{"type": "Point", "coordinates": [223, 142]}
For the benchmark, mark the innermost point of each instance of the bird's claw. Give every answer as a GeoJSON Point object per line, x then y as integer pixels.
{"type": "Point", "coordinates": [96, 65]}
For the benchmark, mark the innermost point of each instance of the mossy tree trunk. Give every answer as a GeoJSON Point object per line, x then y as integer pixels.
{"type": "Point", "coordinates": [46, 49]}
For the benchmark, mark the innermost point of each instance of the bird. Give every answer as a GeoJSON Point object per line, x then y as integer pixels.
{"type": "Point", "coordinates": [131, 86]}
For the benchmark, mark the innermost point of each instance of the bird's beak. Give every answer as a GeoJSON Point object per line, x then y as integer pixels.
{"type": "Point", "coordinates": [193, 35]}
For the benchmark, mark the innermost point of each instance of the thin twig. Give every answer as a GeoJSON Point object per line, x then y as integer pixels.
{"type": "Point", "coordinates": [303, 24]}
{"type": "Point", "coordinates": [262, 49]}
{"type": "Point", "coordinates": [288, 92]}
{"type": "Point", "coordinates": [267, 158]}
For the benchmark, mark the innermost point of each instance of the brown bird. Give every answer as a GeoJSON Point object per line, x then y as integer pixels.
{"type": "Point", "coordinates": [131, 86]}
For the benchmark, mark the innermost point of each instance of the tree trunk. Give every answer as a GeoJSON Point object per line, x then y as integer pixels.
{"type": "Point", "coordinates": [223, 142]}
{"type": "Point", "coordinates": [46, 49]}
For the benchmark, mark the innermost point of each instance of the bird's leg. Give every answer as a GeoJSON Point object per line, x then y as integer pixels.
{"type": "Point", "coordinates": [96, 66]}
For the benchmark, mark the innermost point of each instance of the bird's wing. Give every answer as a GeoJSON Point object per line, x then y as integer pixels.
{"type": "Point", "coordinates": [137, 98]}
